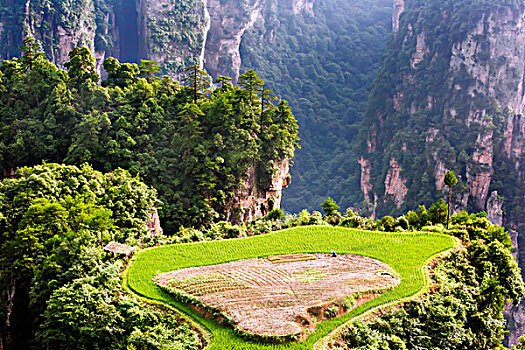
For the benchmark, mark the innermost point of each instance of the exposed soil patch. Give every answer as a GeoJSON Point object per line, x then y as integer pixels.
{"type": "Point", "coordinates": [283, 295]}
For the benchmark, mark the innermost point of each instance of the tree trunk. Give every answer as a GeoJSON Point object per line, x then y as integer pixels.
{"type": "Point", "coordinates": [6, 339]}
{"type": "Point", "coordinates": [448, 211]}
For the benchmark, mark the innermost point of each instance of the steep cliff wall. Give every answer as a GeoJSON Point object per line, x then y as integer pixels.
{"type": "Point", "coordinates": [451, 95]}
{"type": "Point", "coordinates": [254, 199]}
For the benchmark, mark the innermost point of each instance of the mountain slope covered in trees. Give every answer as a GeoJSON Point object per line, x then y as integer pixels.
{"type": "Point", "coordinates": [450, 95]}
{"type": "Point", "coordinates": [324, 60]}
{"type": "Point", "coordinates": [321, 55]}
{"type": "Point", "coordinates": [194, 146]}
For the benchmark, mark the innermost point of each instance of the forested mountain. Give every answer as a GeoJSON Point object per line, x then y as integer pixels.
{"type": "Point", "coordinates": [59, 289]}
{"type": "Point", "coordinates": [323, 58]}
{"type": "Point", "coordinates": [450, 95]}
{"type": "Point", "coordinates": [220, 155]}
{"type": "Point", "coordinates": [320, 55]}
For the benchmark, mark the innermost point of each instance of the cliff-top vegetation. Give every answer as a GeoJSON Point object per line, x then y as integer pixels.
{"type": "Point", "coordinates": [192, 144]}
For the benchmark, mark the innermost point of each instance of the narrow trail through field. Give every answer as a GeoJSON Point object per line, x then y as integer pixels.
{"type": "Point", "coordinates": [406, 253]}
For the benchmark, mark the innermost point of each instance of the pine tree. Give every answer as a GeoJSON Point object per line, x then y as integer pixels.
{"type": "Point", "coordinates": [149, 70]}
{"type": "Point", "coordinates": [450, 180]}
{"type": "Point", "coordinates": [197, 80]}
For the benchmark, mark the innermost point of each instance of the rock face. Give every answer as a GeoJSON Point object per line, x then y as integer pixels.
{"type": "Point", "coordinates": [450, 99]}
{"type": "Point", "coordinates": [229, 21]}
{"type": "Point", "coordinates": [395, 184]}
{"type": "Point", "coordinates": [399, 8]}
{"type": "Point", "coordinates": [174, 33]}
{"type": "Point", "coordinates": [255, 199]}
{"type": "Point", "coordinates": [495, 210]}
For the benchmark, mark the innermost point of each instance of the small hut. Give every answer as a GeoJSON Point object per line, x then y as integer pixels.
{"type": "Point", "coordinates": [119, 249]}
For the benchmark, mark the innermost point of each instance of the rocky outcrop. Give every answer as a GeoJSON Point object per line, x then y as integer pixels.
{"type": "Point", "coordinates": [399, 8]}
{"type": "Point", "coordinates": [495, 210]}
{"type": "Point", "coordinates": [172, 32]}
{"type": "Point", "coordinates": [394, 184]}
{"type": "Point", "coordinates": [421, 50]}
{"type": "Point", "coordinates": [254, 200]}
{"type": "Point", "coordinates": [60, 36]}
{"type": "Point", "coordinates": [465, 89]}
{"type": "Point", "coordinates": [486, 71]}
{"type": "Point", "coordinates": [228, 22]}
{"type": "Point", "coordinates": [298, 6]}
{"type": "Point", "coordinates": [153, 224]}
{"type": "Point", "coordinates": [431, 144]}
{"type": "Point", "coordinates": [366, 186]}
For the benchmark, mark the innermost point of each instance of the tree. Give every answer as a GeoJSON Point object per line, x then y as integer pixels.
{"type": "Point", "coordinates": [119, 74]}
{"type": "Point", "coordinates": [81, 67]}
{"type": "Point", "coordinates": [251, 83]}
{"type": "Point", "coordinates": [197, 80]}
{"type": "Point", "coordinates": [225, 82]}
{"type": "Point", "coordinates": [266, 100]}
{"type": "Point", "coordinates": [438, 212]}
{"type": "Point", "coordinates": [450, 180]}
{"type": "Point", "coordinates": [30, 53]}
{"type": "Point", "coordinates": [149, 70]}
{"type": "Point", "coordinates": [330, 207]}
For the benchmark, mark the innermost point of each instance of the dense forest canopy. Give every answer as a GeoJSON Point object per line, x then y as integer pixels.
{"type": "Point", "coordinates": [59, 290]}
{"type": "Point", "coordinates": [192, 144]}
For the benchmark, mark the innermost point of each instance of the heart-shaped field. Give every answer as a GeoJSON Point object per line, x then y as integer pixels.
{"type": "Point", "coordinates": [282, 295]}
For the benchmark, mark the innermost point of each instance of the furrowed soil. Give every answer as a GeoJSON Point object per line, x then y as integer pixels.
{"type": "Point", "coordinates": [285, 294]}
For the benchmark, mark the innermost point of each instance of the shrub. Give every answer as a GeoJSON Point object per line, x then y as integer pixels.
{"type": "Point", "coordinates": [402, 222]}
{"type": "Point", "coordinates": [413, 219]}
{"type": "Point", "coordinates": [331, 312]}
{"type": "Point", "coordinates": [330, 207]}
{"type": "Point", "coordinates": [388, 223]}
{"type": "Point", "coordinates": [275, 214]}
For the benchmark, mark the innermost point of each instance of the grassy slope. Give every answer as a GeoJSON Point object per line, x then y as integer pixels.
{"type": "Point", "coordinates": [405, 252]}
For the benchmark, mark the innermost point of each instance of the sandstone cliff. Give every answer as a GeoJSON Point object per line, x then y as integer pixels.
{"type": "Point", "coordinates": [256, 198]}
{"type": "Point", "coordinates": [450, 96]}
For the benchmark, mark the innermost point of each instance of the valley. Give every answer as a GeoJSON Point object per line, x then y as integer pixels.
{"type": "Point", "coordinates": [234, 144]}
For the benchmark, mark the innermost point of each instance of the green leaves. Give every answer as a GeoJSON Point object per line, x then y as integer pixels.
{"type": "Point", "coordinates": [53, 218]}
{"type": "Point", "coordinates": [81, 67]}
{"type": "Point", "coordinates": [195, 146]}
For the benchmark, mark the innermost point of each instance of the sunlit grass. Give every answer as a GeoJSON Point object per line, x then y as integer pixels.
{"type": "Point", "coordinates": [406, 253]}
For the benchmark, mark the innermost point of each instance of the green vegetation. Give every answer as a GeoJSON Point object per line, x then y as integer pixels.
{"type": "Point", "coordinates": [175, 32]}
{"type": "Point", "coordinates": [63, 290]}
{"type": "Point", "coordinates": [431, 113]}
{"type": "Point", "coordinates": [325, 65]}
{"type": "Point", "coordinates": [193, 145]}
{"type": "Point", "coordinates": [450, 181]}
{"type": "Point", "coordinates": [412, 251]}
{"type": "Point", "coordinates": [465, 309]}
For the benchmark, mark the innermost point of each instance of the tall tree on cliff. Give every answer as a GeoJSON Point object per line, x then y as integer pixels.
{"type": "Point", "coordinates": [450, 180]}
{"type": "Point", "coordinates": [81, 67]}
{"type": "Point", "coordinates": [197, 80]}
{"type": "Point", "coordinates": [30, 53]}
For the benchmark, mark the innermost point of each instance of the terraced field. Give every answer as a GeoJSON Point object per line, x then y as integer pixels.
{"type": "Point", "coordinates": [406, 253]}
{"type": "Point", "coordinates": [281, 296]}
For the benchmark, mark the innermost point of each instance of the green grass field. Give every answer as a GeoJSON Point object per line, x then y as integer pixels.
{"type": "Point", "coordinates": [405, 252]}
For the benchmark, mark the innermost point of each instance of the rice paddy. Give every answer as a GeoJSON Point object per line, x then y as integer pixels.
{"type": "Point", "coordinates": [406, 253]}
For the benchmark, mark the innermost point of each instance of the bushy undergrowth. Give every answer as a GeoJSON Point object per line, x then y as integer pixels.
{"type": "Point", "coordinates": [464, 310]}
{"type": "Point", "coordinates": [64, 289]}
